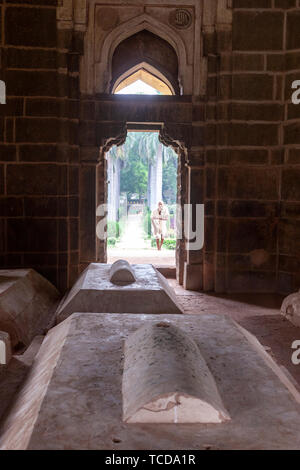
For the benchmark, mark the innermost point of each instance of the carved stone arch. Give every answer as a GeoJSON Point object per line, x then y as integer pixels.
{"type": "Point", "coordinates": [170, 135]}
{"type": "Point", "coordinates": [133, 26]}
{"type": "Point", "coordinates": [168, 142]}
{"type": "Point", "coordinates": [115, 135]}
{"type": "Point", "coordinates": [176, 136]}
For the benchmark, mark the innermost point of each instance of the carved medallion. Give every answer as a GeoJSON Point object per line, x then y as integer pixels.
{"type": "Point", "coordinates": [107, 18]}
{"type": "Point", "coordinates": [181, 18]}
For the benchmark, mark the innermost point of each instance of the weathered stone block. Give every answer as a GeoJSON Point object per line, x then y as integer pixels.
{"type": "Point", "coordinates": [8, 153]}
{"type": "Point", "coordinates": [253, 209]}
{"type": "Point", "coordinates": [248, 62]}
{"type": "Point", "coordinates": [243, 156]}
{"type": "Point", "coordinates": [27, 235]}
{"type": "Point", "coordinates": [293, 30]}
{"type": "Point", "coordinates": [11, 207]}
{"type": "Point", "coordinates": [30, 58]}
{"type": "Point", "coordinates": [238, 134]}
{"type": "Point", "coordinates": [1, 179]}
{"type": "Point", "coordinates": [37, 179]}
{"type": "Point", "coordinates": [252, 87]}
{"type": "Point", "coordinates": [276, 62]}
{"type": "Point", "coordinates": [30, 26]}
{"type": "Point", "coordinates": [43, 130]}
{"type": "Point", "coordinates": [27, 303]}
{"type": "Point", "coordinates": [257, 112]}
{"type": "Point", "coordinates": [87, 133]}
{"type": "Point", "coordinates": [94, 291]}
{"type": "Point", "coordinates": [291, 184]}
{"type": "Point", "coordinates": [289, 236]}
{"type": "Point", "coordinates": [31, 83]}
{"type": "Point", "coordinates": [249, 235]}
{"type": "Point", "coordinates": [251, 281]}
{"type": "Point", "coordinates": [254, 30]}
{"type": "Point", "coordinates": [193, 277]}
{"type": "Point", "coordinates": [248, 183]}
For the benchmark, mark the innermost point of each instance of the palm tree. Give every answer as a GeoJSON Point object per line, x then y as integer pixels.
{"type": "Point", "coordinates": [116, 159]}
{"type": "Point", "coordinates": [170, 172]}
{"type": "Point", "coordinates": [152, 150]}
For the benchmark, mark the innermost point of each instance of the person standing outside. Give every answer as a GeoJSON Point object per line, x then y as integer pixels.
{"type": "Point", "coordinates": [159, 218]}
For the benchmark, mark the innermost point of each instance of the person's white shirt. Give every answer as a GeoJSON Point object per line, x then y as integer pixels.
{"type": "Point", "coordinates": [159, 219]}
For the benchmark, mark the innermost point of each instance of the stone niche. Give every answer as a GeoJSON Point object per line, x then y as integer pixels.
{"type": "Point", "coordinates": [27, 303]}
{"type": "Point", "coordinates": [120, 288]}
{"type": "Point", "coordinates": [166, 379]}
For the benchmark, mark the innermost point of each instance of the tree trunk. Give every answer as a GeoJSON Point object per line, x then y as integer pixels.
{"type": "Point", "coordinates": [113, 197]}
{"type": "Point", "coordinates": [110, 189]}
{"type": "Point", "coordinates": [159, 175]}
{"type": "Point", "coordinates": [149, 188]}
{"type": "Point", "coordinates": [117, 186]}
{"type": "Point", "coordinates": [153, 181]}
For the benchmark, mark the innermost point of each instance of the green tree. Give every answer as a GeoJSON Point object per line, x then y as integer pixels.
{"type": "Point", "coordinates": [139, 166]}
{"type": "Point", "coordinates": [134, 177]}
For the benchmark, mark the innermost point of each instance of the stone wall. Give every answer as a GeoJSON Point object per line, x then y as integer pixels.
{"type": "Point", "coordinates": [252, 149]}
{"type": "Point", "coordinates": [38, 142]}
{"type": "Point", "coordinates": [289, 224]}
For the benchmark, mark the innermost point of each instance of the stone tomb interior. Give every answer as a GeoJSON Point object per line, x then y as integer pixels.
{"type": "Point", "coordinates": [131, 357]}
{"type": "Point", "coordinates": [156, 368]}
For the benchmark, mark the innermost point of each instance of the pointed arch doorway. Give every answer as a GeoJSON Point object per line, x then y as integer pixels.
{"type": "Point", "coordinates": [176, 259]}
{"type": "Point", "coordinates": [141, 174]}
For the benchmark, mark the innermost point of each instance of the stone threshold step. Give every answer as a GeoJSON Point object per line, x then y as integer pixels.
{"type": "Point", "coordinates": [167, 271]}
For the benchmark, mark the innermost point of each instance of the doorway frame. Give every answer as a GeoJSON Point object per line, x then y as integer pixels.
{"type": "Point", "coordinates": [180, 257]}
{"type": "Point", "coordinates": [114, 116]}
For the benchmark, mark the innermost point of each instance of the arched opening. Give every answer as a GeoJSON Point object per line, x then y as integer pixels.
{"type": "Point", "coordinates": [130, 83]}
{"type": "Point", "coordinates": [141, 173]}
{"type": "Point", "coordinates": [148, 58]}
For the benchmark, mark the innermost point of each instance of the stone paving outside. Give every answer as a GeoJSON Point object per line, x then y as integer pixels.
{"type": "Point", "coordinates": [134, 248]}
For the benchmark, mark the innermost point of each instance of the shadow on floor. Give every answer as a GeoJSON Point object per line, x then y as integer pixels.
{"type": "Point", "coordinates": [273, 301]}
{"type": "Point", "coordinates": [278, 334]}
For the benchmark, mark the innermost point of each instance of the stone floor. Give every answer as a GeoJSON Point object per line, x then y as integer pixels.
{"type": "Point", "coordinates": [259, 314]}
{"type": "Point", "coordinates": [135, 249]}
{"type": "Point", "coordinates": [140, 256]}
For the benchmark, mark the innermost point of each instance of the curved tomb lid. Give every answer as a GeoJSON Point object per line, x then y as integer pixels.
{"type": "Point", "coordinates": [27, 304]}
{"type": "Point", "coordinates": [166, 379]}
{"type": "Point", "coordinates": [121, 273]}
